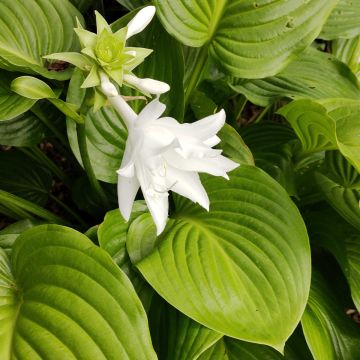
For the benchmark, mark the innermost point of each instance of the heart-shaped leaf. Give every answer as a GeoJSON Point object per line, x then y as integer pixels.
{"type": "Point", "coordinates": [314, 75]}
{"type": "Point", "coordinates": [233, 269]}
{"type": "Point", "coordinates": [250, 39]}
{"type": "Point", "coordinates": [343, 22]}
{"type": "Point", "coordinates": [64, 298]}
{"type": "Point", "coordinates": [328, 332]}
{"type": "Point", "coordinates": [35, 28]}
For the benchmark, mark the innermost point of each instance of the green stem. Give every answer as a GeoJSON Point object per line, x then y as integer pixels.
{"type": "Point", "coordinates": [10, 200]}
{"type": "Point", "coordinates": [80, 130]}
{"type": "Point", "coordinates": [197, 72]}
{"type": "Point", "coordinates": [14, 212]}
{"type": "Point", "coordinates": [262, 114]}
{"type": "Point", "coordinates": [69, 211]}
{"type": "Point", "coordinates": [41, 158]}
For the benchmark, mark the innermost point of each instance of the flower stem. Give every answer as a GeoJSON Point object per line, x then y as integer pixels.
{"type": "Point", "coordinates": [262, 114]}
{"type": "Point", "coordinates": [197, 72]}
{"type": "Point", "coordinates": [14, 202]}
{"type": "Point", "coordinates": [69, 211]}
{"type": "Point", "coordinates": [81, 135]}
{"type": "Point", "coordinates": [41, 158]}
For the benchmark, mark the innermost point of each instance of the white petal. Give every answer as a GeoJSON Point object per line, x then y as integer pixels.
{"type": "Point", "coordinates": [127, 167]}
{"type": "Point", "coordinates": [157, 140]}
{"type": "Point", "coordinates": [214, 140]}
{"type": "Point", "coordinates": [127, 190]}
{"type": "Point", "coordinates": [217, 166]}
{"type": "Point", "coordinates": [188, 184]}
{"type": "Point", "coordinates": [157, 203]}
{"type": "Point", "coordinates": [208, 126]}
{"type": "Point", "coordinates": [150, 112]}
{"type": "Point", "coordinates": [140, 21]}
{"type": "Point", "coordinates": [147, 86]}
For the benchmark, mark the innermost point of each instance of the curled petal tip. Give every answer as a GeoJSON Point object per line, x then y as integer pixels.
{"type": "Point", "coordinates": [150, 86]}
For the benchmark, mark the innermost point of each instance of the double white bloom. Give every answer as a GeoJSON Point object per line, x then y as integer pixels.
{"type": "Point", "coordinates": [161, 155]}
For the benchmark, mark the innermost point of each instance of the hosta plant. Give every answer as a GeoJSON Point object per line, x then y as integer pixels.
{"type": "Point", "coordinates": [179, 179]}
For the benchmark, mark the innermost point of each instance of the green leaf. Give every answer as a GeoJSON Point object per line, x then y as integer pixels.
{"type": "Point", "coordinates": [23, 177]}
{"type": "Point", "coordinates": [234, 147]}
{"type": "Point", "coordinates": [176, 336]}
{"type": "Point", "coordinates": [83, 5]}
{"type": "Point", "coordinates": [250, 39]}
{"type": "Point", "coordinates": [329, 333]}
{"type": "Point", "coordinates": [112, 235]}
{"type": "Point", "coordinates": [23, 130]}
{"type": "Point", "coordinates": [313, 75]}
{"type": "Point", "coordinates": [343, 22]}
{"type": "Point", "coordinates": [105, 132]}
{"type": "Point", "coordinates": [339, 182]}
{"type": "Point", "coordinates": [32, 88]}
{"type": "Point", "coordinates": [233, 269]}
{"type": "Point", "coordinates": [34, 28]}
{"type": "Point", "coordinates": [348, 51]}
{"type": "Point", "coordinates": [295, 349]}
{"type": "Point", "coordinates": [11, 104]}
{"type": "Point", "coordinates": [334, 234]}
{"type": "Point", "coordinates": [12, 232]}
{"type": "Point", "coordinates": [68, 300]}
{"type": "Point", "coordinates": [326, 125]}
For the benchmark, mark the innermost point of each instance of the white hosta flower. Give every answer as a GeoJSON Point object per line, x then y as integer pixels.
{"type": "Point", "coordinates": [161, 155]}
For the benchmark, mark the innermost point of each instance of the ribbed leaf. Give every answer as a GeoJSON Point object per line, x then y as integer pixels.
{"type": "Point", "coordinates": [216, 352]}
{"type": "Point", "coordinates": [23, 177]}
{"type": "Point", "coordinates": [30, 29]}
{"type": "Point", "coordinates": [176, 336]}
{"type": "Point", "coordinates": [112, 235]}
{"type": "Point", "coordinates": [132, 4]}
{"type": "Point", "coordinates": [340, 184]}
{"type": "Point", "coordinates": [233, 269]}
{"type": "Point", "coordinates": [11, 104]}
{"type": "Point", "coordinates": [326, 125]}
{"type": "Point", "coordinates": [348, 51]}
{"type": "Point", "coordinates": [328, 332]}
{"type": "Point", "coordinates": [82, 5]}
{"type": "Point", "coordinates": [251, 39]}
{"type": "Point", "coordinates": [314, 75]}
{"type": "Point", "coordinates": [70, 301]}
{"type": "Point", "coordinates": [343, 22]}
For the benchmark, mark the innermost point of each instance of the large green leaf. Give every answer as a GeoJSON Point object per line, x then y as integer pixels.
{"type": "Point", "coordinates": [243, 269]}
{"type": "Point", "coordinates": [340, 184]}
{"type": "Point", "coordinates": [30, 29]}
{"type": "Point", "coordinates": [343, 22]}
{"type": "Point", "coordinates": [313, 75]}
{"type": "Point", "coordinates": [329, 333]}
{"type": "Point", "coordinates": [176, 336]}
{"type": "Point", "coordinates": [64, 298]}
{"type": "Point", "coordinates": [23, 177]}
{"type": "Point", "coordinates": [83, 5]}
{"type": "Point", "coordinates": [348, 51]}
{"type": "Point", "coordinates": [327, 125]}
{"type": "Point", "coordinates": [133, 4]}
{"type": "Point", "coordinates": [250, 39]}
{"type": "Point", "coordinates": [11, 104]}
{"type": "Point", "coordinates": [112, 235]}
